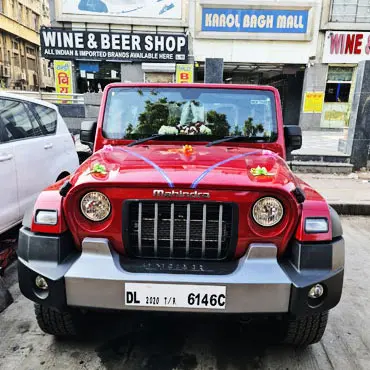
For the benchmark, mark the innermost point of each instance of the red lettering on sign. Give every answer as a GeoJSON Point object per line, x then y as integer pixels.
{"type": "Point", "coordinates": [184, 76]}
{"type": "Point", "coordinates": [358, 43]}
{"type": "Point", "coordinates": [336, 44]}
{"type": "Point", "coordinates": [350, 42]}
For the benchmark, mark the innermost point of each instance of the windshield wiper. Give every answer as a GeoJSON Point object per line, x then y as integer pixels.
{"type": "Point", "coordinates": [236, 137]}
{"type": "Point", "coordinates": [136, 142]}
{"type": "Point", "coordinates": [226, 138]}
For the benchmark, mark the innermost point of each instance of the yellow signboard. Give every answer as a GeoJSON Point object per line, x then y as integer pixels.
{"type": "Point", "coordinates": [63, 80]}
{"type": "Point", "coordinates": [313, 102]}
{"type": "Point", "coordinates": [184, 73]}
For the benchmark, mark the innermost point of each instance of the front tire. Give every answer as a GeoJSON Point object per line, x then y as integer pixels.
{"type": "Point", "coordinates": [58, 323]}
{"type": "Point", "coordinates": [306, 330]}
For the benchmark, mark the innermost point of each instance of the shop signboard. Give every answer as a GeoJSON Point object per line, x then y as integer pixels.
{"type": "Point", "coordinates": [63, 80]}
{"type": "Point", "coordinates": [184, 73]}
{"type": "Point", "coordinates": [113, 46]}
{"type": "Point", "coordinates": [158, 9]}
{"type": "Point", "coordinates": [313, 102]}
{"type": "Point", "coordinates": [346, 47]}
{"type": "Point", "coordinates": [278, 21]}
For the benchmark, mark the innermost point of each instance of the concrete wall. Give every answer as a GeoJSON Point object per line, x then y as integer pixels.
{"type": "Point", "coordinates": [132, 72]}
{"type": "Point", "coordinates": [315, 80]}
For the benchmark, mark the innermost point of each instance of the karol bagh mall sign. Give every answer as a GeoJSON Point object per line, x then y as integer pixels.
{"type": "Point", "coordinates": [136, 47]}
{"type": "Point", "coordinates": [254, 21]}
{"type": "Point", "coordinates": [346, 47]}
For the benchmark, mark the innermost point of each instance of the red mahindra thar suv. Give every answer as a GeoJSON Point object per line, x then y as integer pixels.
{"type": "Point", "coordinates": [187, 204]}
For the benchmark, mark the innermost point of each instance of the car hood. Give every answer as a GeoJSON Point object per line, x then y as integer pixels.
{"type": "Point", "coordinates": [188, 167]}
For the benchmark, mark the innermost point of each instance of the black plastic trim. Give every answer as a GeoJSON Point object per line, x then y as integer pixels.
{"type": "Point", "coordinates": [336, 224]}
{"type": "Point", "coordinates": [44, 247]}
{"type": "Point", "coordinates": [302, 281]}
{"type": "Point", "coordinates": [317, 256]}
{"type": "Point", "coordinates": [56, 295]}
{"type": "Point", "coordinates": [65, 188]}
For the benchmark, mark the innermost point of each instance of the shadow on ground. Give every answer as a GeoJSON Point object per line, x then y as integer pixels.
{"type": "Point", "coordinates": [167, 342]}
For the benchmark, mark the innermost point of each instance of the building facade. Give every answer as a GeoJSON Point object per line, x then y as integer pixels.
{"type": "Point", "coordinates": [260, 42]}
{"type": "Point", "coordinates": [111, 40]}
{"type": "Point", "coordinates": [344, 40]}
{"type": "Point", "coordinates": [20, 66]}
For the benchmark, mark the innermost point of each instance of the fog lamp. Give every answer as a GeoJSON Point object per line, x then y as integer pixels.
{"type": "Point", "coordinates": [41, 283]}
{"type": "Point", "coordinates": [46, 217]}
{"type": "Point", "coordinates": [316, 291]}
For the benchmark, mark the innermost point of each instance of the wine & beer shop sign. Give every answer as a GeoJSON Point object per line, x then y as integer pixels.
{"type": "Point", "coordinates": [113, 46]}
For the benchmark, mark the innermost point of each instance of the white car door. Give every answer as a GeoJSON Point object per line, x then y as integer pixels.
{"type": "Point", "coordinates": [31, 151]}
{"type": "Point", "coordinates": [63, 151]}
{"type": "Point", "coordinates": [9, 207]}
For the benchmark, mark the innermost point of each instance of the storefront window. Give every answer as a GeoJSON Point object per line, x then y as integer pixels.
{"type": "Point", "coordinates": [338, 86]}
{"type": "Point", "coordinates": [93, 77]}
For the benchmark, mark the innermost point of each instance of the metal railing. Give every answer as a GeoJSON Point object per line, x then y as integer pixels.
{"type": "Point", "coordinates": [51, 97]}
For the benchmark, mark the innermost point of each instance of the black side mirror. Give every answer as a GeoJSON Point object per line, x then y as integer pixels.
{"type": "Point", "coordinates": [293, 138]}
{"type": "Point", "coordinates": [87, 133]}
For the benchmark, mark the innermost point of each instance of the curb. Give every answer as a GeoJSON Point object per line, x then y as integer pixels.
{"type": "Point", "coordinates": [351, 209]}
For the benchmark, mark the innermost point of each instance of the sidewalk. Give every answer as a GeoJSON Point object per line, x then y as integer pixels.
{"type": "Point", "coordinates": [348, 194]}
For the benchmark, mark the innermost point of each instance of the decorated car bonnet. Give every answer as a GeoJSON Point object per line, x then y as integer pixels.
{"type": "Point", "coordinates": [187, 166]}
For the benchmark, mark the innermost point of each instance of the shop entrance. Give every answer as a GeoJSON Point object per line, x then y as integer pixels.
{"type": "Point", "coordinates": [338, 97]}
{"type": "Point", "coordinates": [93, 77]}
{"type": "Point", "coordinates": [288, 79]}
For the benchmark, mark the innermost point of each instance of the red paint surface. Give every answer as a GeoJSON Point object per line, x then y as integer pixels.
{"type": "Point", "coordinates": [50, 199]}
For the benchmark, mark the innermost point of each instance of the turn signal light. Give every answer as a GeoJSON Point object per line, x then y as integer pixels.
{"type": "Point", "coordinates": [316, 225]}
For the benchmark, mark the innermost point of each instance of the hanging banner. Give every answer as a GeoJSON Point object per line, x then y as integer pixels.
{"type": "Point", "coordinates": [63, 80]}
{"type": "Point", "coordinates": [113, 46]}
{"type": "Point", "coordinates": [184, 73]}
{"type": "Point", "coordinates": [313, 102]}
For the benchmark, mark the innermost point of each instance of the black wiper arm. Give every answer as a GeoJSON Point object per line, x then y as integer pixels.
{"type": "Point", "coordinates": [226, 138]}
{"type": "Point", "coordinates": [136, 142]}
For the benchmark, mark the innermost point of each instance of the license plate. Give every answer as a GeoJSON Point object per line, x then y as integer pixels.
{"type": "Point", "coordinates": [175, 296]}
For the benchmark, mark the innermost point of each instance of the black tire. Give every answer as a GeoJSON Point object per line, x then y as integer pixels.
{"type": "Point", "coordinates": [306, 330]}
{"type": "Point", "coordinates": [58, 323]}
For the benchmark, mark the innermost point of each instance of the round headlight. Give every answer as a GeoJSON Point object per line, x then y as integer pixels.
{"type": "Point", "coordinates": [268, 211]}
{"type": "Point", "coordinates": [95, 206]}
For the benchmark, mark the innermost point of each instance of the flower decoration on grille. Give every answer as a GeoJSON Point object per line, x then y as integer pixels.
{"type": "Point", "coordinates": [260, 171]}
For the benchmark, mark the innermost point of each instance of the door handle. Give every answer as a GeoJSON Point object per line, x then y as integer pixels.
{"type": "Point", "coordinates": [5, 157]}
{"type": "Point", "coordinates": [48, 146]}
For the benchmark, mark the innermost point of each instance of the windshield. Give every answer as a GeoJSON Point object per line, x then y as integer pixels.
{"type": "Point", "coordinates": [198, 113]}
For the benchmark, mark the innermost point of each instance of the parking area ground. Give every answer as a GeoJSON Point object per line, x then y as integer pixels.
{"type": "Point", "coordinates": [182, 343]}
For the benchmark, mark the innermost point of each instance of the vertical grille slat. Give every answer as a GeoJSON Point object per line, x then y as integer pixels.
{"type": "Point", "coordinates": [219, 244]}
{"type": "Point", "coordinates": [187, 231]}
{"type": "Point", "coordinates": [139, 226]}
{"type": "Point", "coordinates": [172, 228]}
{"type": "Point", "coordinates": [155, 229]}
{"type": "Point", "coordinates": [204, 229]}
{"type": "Point", "coordinates": [179, 229]}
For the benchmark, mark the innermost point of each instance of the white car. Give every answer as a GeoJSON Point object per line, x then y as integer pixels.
{"type": "Point", "coordinates": [36, 150]}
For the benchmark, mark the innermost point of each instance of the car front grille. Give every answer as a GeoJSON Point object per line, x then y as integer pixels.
{"type": "Point", "coordinates": [179, 230]}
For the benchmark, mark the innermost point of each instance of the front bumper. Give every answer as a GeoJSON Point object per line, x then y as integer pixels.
{"type": "Point", "coordinates": [96, 277]}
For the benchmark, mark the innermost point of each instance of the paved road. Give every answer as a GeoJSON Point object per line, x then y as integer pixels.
{"type": "Point", "coordinates": [165, 343]}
